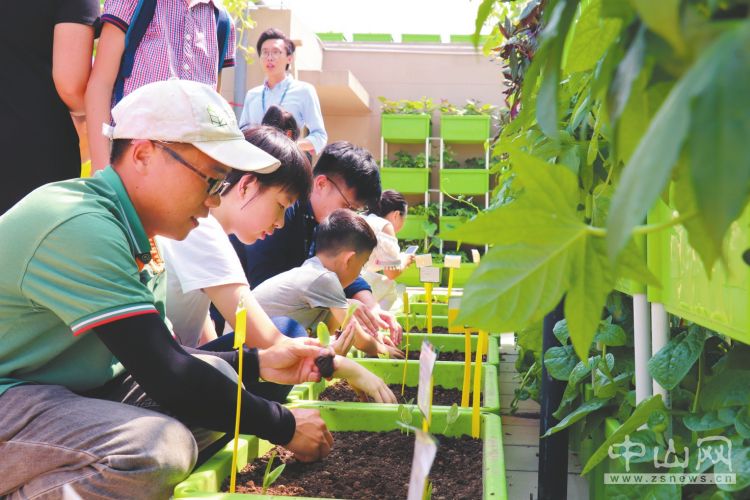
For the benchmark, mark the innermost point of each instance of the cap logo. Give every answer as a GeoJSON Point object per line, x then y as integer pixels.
{"type": "Point", "coordinates": [215, 118]}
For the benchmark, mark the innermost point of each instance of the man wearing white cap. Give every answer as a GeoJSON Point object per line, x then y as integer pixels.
{"type": "Point", "coordinates": [88, 366]}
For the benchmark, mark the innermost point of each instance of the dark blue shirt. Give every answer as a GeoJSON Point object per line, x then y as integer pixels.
{"type": "Point", "coordinates": [285, 249]}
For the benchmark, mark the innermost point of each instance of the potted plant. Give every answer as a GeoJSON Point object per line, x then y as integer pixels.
{"type": "Point", "coordinates": [469, 124]}
{"type": "Point", "coordinates": [405, 173]}
{"type": "Point", "coordinates": [470, 178]}
{"type": "Point", "coordinates": [405, 121]}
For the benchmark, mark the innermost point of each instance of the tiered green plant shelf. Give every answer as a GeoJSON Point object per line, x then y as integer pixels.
{"type": "Point", "coordinates": [206, 481]}
{"type": "Point", "coordinates": [405, 180]}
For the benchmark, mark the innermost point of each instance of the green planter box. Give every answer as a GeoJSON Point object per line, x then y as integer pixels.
{"type": "Point", "coordinates": [413, 226]}
{"type": "Point", "coordinates": [372, 37]}
{"type": "Point", "coordinates": [448, 374]}
{"type": "Point", "coordinates": [405, 180]}
{"type": "Point", "coordinates": [409, 129]}
{"type": "Point", "coordinates": [451, 342]}
{"type": "Point", "coordinates": [465, 180]}
{"type": "Point", "coordinates": [448, 222]}
{"type": "Point", "coordinates": [205, 482]}
{"type": "Point", "coordinates": [461, 275]}
{"type": "Point", "coordinates": [719, 303]}
{"type": "Point", "coordinates": [421, 320]}
{"type": "Point", "coordinates": [414, 38]}
{"type": "Point", "coordinates": [331, 37]}
{"type": "Point", "coordinates": [465, 129]}
{"type": "Point", "coordinates": [421, 308]}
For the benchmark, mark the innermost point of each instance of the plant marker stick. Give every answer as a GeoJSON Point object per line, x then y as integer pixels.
{"type": "Point", "coordinates": [406, 355]}
{"type": "Point", "coordinates": [406, 310]}
{"type": "Point", "coordinates": [428, 297]}
{"type": "Point", "coordinates": [466, 390]}
{"type": "Point", "coordinates": [450, 281]}
{"type": "Point", "coordinates": [240, 330]}
{"type": "Point", "coordinates": [477, 386]}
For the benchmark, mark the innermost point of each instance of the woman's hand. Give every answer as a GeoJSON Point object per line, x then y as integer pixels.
{"type": "Point", "coordinates": [364, 382]}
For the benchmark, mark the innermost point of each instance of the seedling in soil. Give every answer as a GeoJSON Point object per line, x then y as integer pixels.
{"type": "Point", "coordinates": [405, 416]}
{"type": "Point", "coordinates": [451, 417]}
{"type": "Point", "coordinates": [349, 313]}
{"type": "Point", "coordinates": [270, 476]}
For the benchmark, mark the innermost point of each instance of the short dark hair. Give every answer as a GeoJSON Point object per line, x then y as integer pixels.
{"type": "Point", "coordinates": [116, 152]}
{"type": "Point", "coordinates": [294, 175]}
{"type": "Point", "coordinates": [274, 34]}
{"type": "Point", "coordinates": [390, 200]}
{"type": "Point", "coordinates": [282, 120]}
{"type": "Point", "coordinates": [355, 166]}
{"type": "Point", "coordinates": [344, 230]}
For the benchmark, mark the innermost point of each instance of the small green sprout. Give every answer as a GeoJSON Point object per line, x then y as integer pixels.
{"type": "Point", "coordinates": [451, 417]}
{"type": "Point", "coordinates": [270, 476]}
{"type": "Point", "coordinates": [324, 336]}
{"type": "Point", "coordinates": [349, 313]}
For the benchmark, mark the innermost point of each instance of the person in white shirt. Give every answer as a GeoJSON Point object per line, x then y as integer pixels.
{"type": "Point", "coordinates": [386, 262]}
{"type": "Point", "coordinates": [276, 52]}
{"type": "Point", "coordinates": [204, 268]}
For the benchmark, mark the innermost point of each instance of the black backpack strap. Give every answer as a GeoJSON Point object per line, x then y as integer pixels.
{"type": "Point", "coordinates": [222, 34]}
{"type": "Point", "coordinates": [142, 16]}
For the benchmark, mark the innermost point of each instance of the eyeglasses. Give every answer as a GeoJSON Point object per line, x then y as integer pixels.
{"type": "Point", "coordinates": [268, 54]}
{"type": "Point", "coordinates": [348, 205]}
{"type": "Point", "coordinates": [215, 186]}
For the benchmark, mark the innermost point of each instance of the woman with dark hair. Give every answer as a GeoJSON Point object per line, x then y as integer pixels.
{"type": "Point", "coordinates": [282, 120]}
{"type": "Point", "coordinates": [386, 219]}
{"type": "Point", "coordinates": [204, 268]}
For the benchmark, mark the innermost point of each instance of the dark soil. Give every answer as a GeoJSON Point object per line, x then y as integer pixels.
{"type": "Point", "coordinates": [342, 391]}
{"type": "Point", "coordinates": [446, 356]}
{"type": "Point", "coordinates": [371, 465]}
{"type": "Point", "coordinates": [435, 329]}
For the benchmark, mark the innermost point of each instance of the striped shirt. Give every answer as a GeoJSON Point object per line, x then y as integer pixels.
{"type": "Point", "coordinates": [180, 41]}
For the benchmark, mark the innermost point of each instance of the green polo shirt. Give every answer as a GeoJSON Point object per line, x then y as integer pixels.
{"type": "Point", "coordinates": [68, 252]}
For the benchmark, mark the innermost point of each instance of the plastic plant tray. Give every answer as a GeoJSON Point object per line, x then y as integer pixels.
{"type": "Point", "coordinates": [451, 342]}
{"type": "Point", "coordinates": [406, 180]}
{"type": "Point", "coordinates": [206, 481]}
{"type": "Point", "coordinates": [421, 308]}
{"type": "Point", "coordinates": [465, 129]}
{"type": "Point", "coordinates": [417, 38]}
{"type": "Point", "coordinates": [372, 37]}
{"type": "Point", "coordinates": [465, 180]}
{"type": "Point", "coordinates": [413, 227]}
{"type": "Point", "coordinates": [403, 128]}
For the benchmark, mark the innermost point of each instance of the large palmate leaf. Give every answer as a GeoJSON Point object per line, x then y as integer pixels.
{"type": "Point", "coordinates": [591, 38]}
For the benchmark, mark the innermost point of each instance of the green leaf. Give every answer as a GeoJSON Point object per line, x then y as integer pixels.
{"type": "Point", "coordinates": [589, 406]}
{"type": "Point", "coordinates": [742, 424]}
{"type": "Point", "coordinates": [627, 72]}
{"type": "Point", "coordinates": [648, 170]}
{"type": "Point", "coordinates": [639, 417]}
{"type": "Point", "coordinates": [274, 475]}
{"type": "Point", "coordinates": [592, 37]}
{"type": "Point", "coordinates": [719, 154]}
{"type": "Point", "coordinates": [673, 361]}
{"type": "Point", "coordinates": [483, 13]}
{"type": "Point", "coordinates": [349, 313]}
{"type": "Point", "coordinates": [560, 361]}
{"type": "Point", "coordinates": [631, 264]}
{"type": "Point", "coordinates": [324, 336]}
{"type": "Point", "coordinates": [560, 331]}
{"type": "Point", "coordinates": [591, 281]}
{"type": "Point", "coordinates": [700, 422]}
{"type": "Point", "coordinates": [451, 417]}
{"type": "Point", "coordinates": [740, 460]}
{"type": "Point", "coordinates": [663, 18]}
{"type": "Point", "coordinates": [731, 387]}
{"type": "Point", "coordinates": [579, 372]}
{"type": "Point", "coordinates": [610, 334]}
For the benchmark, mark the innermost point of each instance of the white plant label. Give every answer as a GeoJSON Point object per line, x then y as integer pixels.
{"type": "Point", "coordinates": [425, 448]}
{"type": "Point", "coordinates": [429, 274]}
{"type": "Point", "coordinates": [452, 261]}
{"type": "Point", "coordinates": [424, 260]}
{"type": "Point", "coordinates": [427, 359]}
{"type": "Point", "coordinates": [475, 255]}
{"type": "Point", "coordinates": [454, 303]}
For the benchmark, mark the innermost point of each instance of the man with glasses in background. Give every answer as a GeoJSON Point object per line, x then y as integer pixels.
{"type": "Point", "coordinates": [276, 52]}
{"type": "Point", "coordinates": [345, 176]}
{"type": "Point", "coordinates": [93, 386]}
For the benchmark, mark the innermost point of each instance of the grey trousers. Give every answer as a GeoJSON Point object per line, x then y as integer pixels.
{"type": "Point", "coordinates": [56, 444]}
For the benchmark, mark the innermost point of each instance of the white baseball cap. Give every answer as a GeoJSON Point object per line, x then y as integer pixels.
{"type": "Point", "coordinates": [188, 112]}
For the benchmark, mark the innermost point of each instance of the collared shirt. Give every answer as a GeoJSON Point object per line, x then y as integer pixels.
{"type": "Point", "coordinates": [180, 41]}
{"type": "Point", "coordinates": [298, 98]}
{"type": "Point", "coordinates": [285, 249]}
{"type": "Point", "coordinates": [76, 262]}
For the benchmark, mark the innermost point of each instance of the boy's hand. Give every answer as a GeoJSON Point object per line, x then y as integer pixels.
{"type": "Point", "coordinates": [391, 351]}
{"type": "Point", "coordinates": [344, 341]}
{"type": "Point", "coordinates": [312, 440]}
{"type": "Point", "coordinates": [290, 362]}
{"type": "Point", "coordinates": [368, 319]}
{"type": "Point", "coordinates": [393, 326]}
{"type": "Point", "coordinates": [364, 382]}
